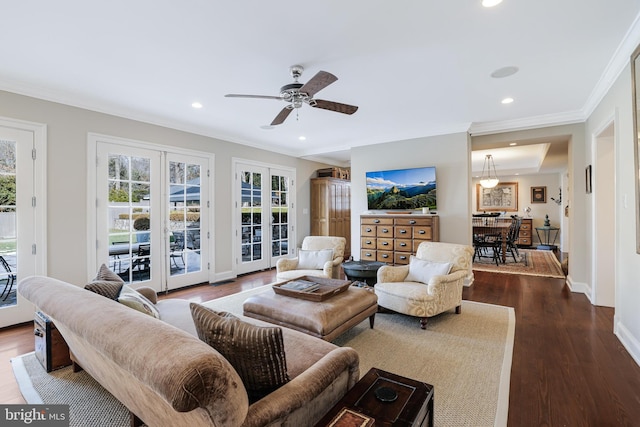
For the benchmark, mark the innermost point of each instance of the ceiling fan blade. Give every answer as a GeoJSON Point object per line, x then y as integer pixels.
{"type": "Point", "coordinates": [282, 116]}
{"type": "Point", "coordinates": [318, 82]}
{"type": "Point", "coordinates": [335, 106]}
{"type": "Point", "coordinates": [236, 95]}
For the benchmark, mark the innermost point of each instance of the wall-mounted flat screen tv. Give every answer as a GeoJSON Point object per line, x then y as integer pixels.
{"type": "Point", "coordinates": [402, 189]}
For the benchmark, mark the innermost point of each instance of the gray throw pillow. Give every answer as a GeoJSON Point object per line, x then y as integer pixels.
{"type": "Point", "coordinates": [255, 352]}
{"type": "Point", "coordinates": [106, 283]}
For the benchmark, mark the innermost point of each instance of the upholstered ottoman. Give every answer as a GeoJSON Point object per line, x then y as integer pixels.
{"type": "Point", "coordinates": [326, 319]}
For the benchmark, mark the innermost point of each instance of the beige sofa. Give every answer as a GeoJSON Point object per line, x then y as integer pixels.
{"type": "Point", "coordinates": [166, 376]}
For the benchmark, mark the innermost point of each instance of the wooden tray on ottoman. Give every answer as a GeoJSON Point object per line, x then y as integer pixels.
{"type": "Point", "coordinates": [327, 289]}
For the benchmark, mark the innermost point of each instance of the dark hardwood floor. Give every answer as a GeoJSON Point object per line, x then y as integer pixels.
{"type": "Point", "coordinates": [568, 367]}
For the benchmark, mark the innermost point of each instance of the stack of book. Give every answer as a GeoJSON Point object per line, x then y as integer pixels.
{"type": "Point", "coordinates": [301, 285]}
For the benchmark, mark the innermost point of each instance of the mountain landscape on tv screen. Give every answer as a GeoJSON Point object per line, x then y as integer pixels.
{"type": "Point", "coordinates": [402, 197]}
{"type": "Point", "coordinates": [412, 188]}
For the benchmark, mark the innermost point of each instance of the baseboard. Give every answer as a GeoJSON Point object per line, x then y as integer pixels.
{"type": "Point", "coordinates": [631, 343]}
{"type": "Point", "coordinates": [579, 287]}
{"type": "Point", "coordinates": [227, 275]}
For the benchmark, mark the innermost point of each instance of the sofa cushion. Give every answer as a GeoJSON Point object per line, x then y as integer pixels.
{"type": "Point", "coordinates": [255, 352]}
{"type": "Point", "coordinates": [314, 260]}
{"type": "Point", "coordinates": [134, 299]}
{"type": "Point", "coordinates": [106, 283]}
{"type": "Point", "coordinates": [422, 271]}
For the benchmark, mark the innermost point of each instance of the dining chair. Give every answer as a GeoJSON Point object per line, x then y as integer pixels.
{"type": "Point", "coordinates": [10, 278]}
{"type": "Point", "coordinates": [486, 236]}
{"type": "Point", "coordinates": [512, 237]}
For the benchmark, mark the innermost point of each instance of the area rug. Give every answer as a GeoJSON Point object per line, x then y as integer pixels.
{"type": "Point", "coordinates": [466, 357]}
{"type": "Point", "coordinates": [530, 263]}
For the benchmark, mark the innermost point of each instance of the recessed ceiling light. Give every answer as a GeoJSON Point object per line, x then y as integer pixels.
{"type": "Point", "coordinates": [491, 3]}
{"type": "Point", "coordinates": [196, 105]}
{"type": "Point", "coordinates": [302, 138]}
{"type": "Point", "coordinates": [267, 127]}
{"type": "Point", "coordinates": [513, 143]}
{"type": "Point", "coordinates": [507, 101]}
{"type": "Point", "coordinates": [507, 71]}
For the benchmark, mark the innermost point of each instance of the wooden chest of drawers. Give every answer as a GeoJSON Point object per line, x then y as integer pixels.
{"type": "Point", "coordinates": [394, 238]}
{"type": "Point", "coordinates": [525, 237]}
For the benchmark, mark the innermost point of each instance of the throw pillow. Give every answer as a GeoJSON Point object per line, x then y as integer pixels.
{"type": "Point", "coordinates": [255, 352]}
{"type": "Point", "coordinates": [106, 283]}
{"type": "Point", "coordinates": [134, 299]}
{"type": "Point", "coordinates": [422, 271]}
{"type": "Point", "coordinates": [314, 260]}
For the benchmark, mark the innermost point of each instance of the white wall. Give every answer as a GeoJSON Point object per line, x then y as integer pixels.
{"type": "Point", "coordinates": [67, 177]}
{"type": "Point", "coordinates": [616, 106]}
{"type": "Point", "coordinates": [538, 210]}
{"type": "Point", "coordinates": [450, 154]}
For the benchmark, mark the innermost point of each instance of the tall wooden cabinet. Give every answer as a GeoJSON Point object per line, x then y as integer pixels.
{"type": "Point", "coordinates": [331, 209]}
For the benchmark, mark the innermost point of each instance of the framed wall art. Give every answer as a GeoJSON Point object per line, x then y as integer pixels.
{"type": "Point", "coordinates": [539, 194]}
{"type": "Point", "coordinates": [502, 197]}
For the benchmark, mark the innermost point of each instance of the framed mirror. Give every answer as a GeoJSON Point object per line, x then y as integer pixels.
{"type": "Point", "coordinates": [635, 90]}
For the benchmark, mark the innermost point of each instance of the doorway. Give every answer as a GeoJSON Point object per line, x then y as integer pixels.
{"type": "Point", "coordinates": [264, 215]}
{"type": "Point", "coordinates": [152, 213]}
{"type": "Point", "coordinates": [604, 219]}
{"type": "Point", "coordinates": [22, 214]}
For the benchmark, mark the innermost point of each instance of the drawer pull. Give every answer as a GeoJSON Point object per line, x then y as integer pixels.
{"type": "Point", "coordinates": [413, 221]}
{"type": "Point", "coordinates": [367, 254]}
{"type": "Point", "coordinates": [421, 232]}
{"type": "Point", "coordinates": [402, 257]}
{"type": "Point", "coordinates": [368, 242]}
{"type": "Point", "coordinates": [385, 230]}
{"type": "Point", "coordinates": [403, 244]}
{"type": "Point", "coordinates": [369, 230]}
{"type": "Point", "coordinates": [403, 231]}
{"type": "Point", "coordinates": [385, 243]}
{"type": "Point", "coordinates": [385, 256]}
{"type": "Point", "coordinates": [376, 221]}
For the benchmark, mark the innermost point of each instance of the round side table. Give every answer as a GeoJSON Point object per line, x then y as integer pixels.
{"type": "Point", "coordinates": [364, 271]}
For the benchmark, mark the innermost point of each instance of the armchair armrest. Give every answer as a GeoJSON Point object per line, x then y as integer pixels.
{"type": "Point", "coordinates": [286, 264]}
{"type": "Point", "coordinates": [389, 273]}
{"type": "Point", "coordinates": [330, 265]}
{"type": "Point", "coordinates": [438, 283]}
{"type": "Point", "coordinates": [304, 388]}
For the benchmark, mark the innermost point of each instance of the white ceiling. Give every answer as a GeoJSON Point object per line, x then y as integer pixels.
{"type": "Point", "coordinates": [415, 68]}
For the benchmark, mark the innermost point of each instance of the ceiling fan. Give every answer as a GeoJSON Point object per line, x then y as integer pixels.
{"type": "Point", "coordinates": [296, 94]}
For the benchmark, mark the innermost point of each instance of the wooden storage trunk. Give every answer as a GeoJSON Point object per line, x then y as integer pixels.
{"type": "Point", "coordinates": [50, 348]}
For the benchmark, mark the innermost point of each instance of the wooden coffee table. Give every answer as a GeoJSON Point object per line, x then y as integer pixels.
{"type": "Point", "coordinates": [412, 404]}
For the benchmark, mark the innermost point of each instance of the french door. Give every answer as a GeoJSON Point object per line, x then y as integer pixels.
{"type": "Point", "coordinates": [22, 214]}
{"type": "Point", "coordinates": [264, 215]}
{"type": "Point", "coordinates": [152, 214]}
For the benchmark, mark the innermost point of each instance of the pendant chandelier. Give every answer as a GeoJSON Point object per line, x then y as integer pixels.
{"type": "Point", "coordinates": [487, 180]}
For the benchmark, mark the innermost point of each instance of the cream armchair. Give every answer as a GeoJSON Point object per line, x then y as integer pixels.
{"type": "Point", "coordinates": [425, 289]}
{"type": "Point", "coordinates": [319, 256]}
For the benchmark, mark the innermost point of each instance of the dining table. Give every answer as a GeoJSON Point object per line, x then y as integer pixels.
{"type": "Point", "coordinates": [480, 226]}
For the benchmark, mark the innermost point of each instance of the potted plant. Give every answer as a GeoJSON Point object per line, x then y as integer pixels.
{"type": "Point", "coordinates": [142, 223]}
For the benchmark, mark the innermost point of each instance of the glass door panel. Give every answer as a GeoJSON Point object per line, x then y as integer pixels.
{"type": "Point", "coordinates": [280, 196]}
{"type": "Point", "coordinates": [8, 224]}
{"type": "Point", "coordinates": [129, 183]}
{"type": "Point", "coordinates": [187, 220]}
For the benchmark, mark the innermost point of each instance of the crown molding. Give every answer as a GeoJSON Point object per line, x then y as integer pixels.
{"type": "Point", "coordinates": [546, 120]}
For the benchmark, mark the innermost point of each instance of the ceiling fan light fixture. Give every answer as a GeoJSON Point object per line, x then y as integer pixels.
{"type": "Point", "coordinates": [488, 180]}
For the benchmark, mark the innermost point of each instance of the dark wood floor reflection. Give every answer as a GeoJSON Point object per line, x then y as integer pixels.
{"type": "Point", "coordinates": [568, 367]}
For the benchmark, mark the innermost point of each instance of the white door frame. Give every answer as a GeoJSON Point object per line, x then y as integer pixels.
{"type": "Point", "coordinates": [236, 206]}
{"type": "Point", "coordinates": [92, 142]}
{"type": "Point", "coordinates": [33, 246]}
